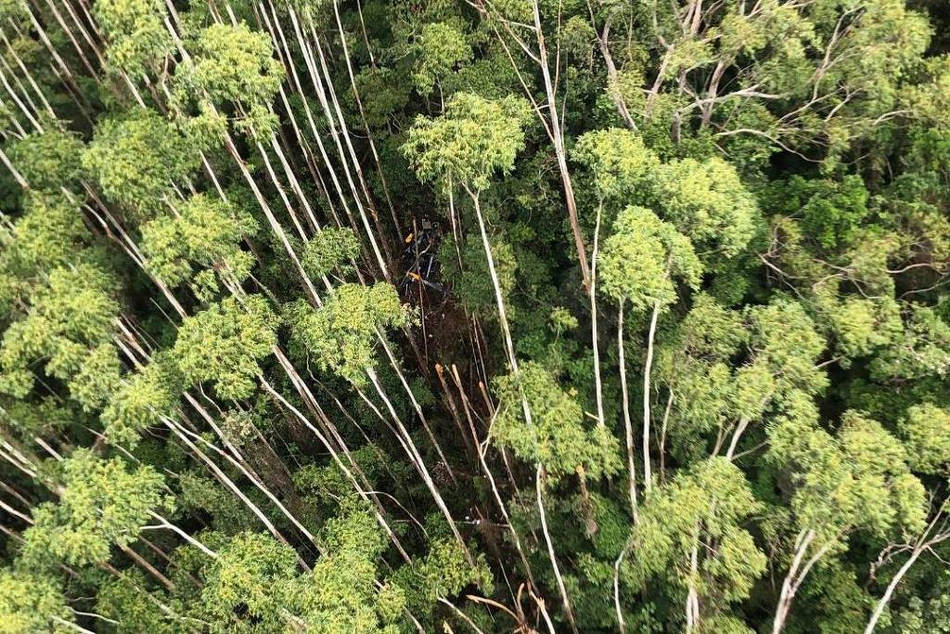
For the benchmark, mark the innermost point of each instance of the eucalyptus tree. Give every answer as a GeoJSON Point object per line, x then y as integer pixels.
{"type": "Point", "coordinates": [639, 261]}
{"type": "Point", "coordinates": [201, 335]}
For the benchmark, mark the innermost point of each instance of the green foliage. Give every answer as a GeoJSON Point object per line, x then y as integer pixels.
{"type": "Point", "coordinates": [926, 430]}
{"type": "Point", "coordinates": [830, 210]}
{"type": "Point", "coordinates": [771, 179]}
{"type": "Point", "coordinates": [144, 397]}
{"type": "Point", "coordinates": [136, 158]}
{"type": "Point", "coordinates": [329, 249]}
{"type": "Point", "coordinates": [557, 437]}
{"type": "Point", "coordinates": [620, 164]}
{"type": "Point", "coordinates": [340, 336]}
{"type": "Point", "coordinates": [246, 586]}
{"type": "Point", "coordinates": [922, 350]}
{"type": "Point", "coordinates": [69, 325]}
{"type": "Point", "coordinates": [473, 283]}
{"type": "Point", "coordinates": [473, 140]}
{"type": "Point", "coordinates": [31, 604]}
{"type": "Point", "coordinates": [101, 503]}
{"type": "Point", "coordinates": [206, 232]}
{"type": "Point", "coordinates": [233, 65]}
{"type": "Point", "coordinates": [640, 258]}
{"type": "Point", "coordinates": [707, 201]}
{"type": "Point", "coordinates": [46, 236]}
{"type": "Point", "coordinates": [439, 49]}
{"type": "Point", "coordinates": [858, 479]}
{"type": "Point", "coordinates": [443, 572]}
{"type": "Point", "coordinates": [138, 39]}
{"type": "Point", "coordinates": [48, 160]}
{"type": "Point", "coordinates": [703, 506]}
{"type": "Point", "coordinates": [224, 343]}
{"type": "Point", "coordinates": [340, 595]}
{"type": "Point", "coordinates": [126, 601]}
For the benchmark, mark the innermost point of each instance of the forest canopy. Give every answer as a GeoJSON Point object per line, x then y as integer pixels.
{"type": "Point", "coordinates": [534, 316]}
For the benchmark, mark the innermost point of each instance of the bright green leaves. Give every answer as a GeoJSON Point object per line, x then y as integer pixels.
{"type": "Point", "coordinates": [620, 164]}
{"type": "Point", "coordinates": [473, 139]}
{"type": "Point", "coordinates": [48, 160]}
{"type": "Point", "coordinates": [246, 586]}
{"type": "Point", "coordinates": [207, 232]}
{"type": "Point", "coordinates": [31, 604]}
{"type": "Point", "coordinates": [558, 438]}
{"type": "Point", "coordinates": [640, 258]}
{"type": "Point", "coordinates": [233, 65]}
{"type": "Point", "coordinates": [341, 335]}
{"type": "Point", "coordinates": [707, 201]}
{"type": "Point", "coordinates": [142, 399]}
{"type": "Point", "coordinates": [223, 344]}
{"type": "Point", "coordinates": [254, 584]}
{"type": "Point", "coordinates": [784, 340]}
{"type": "Point", "coordinates": [138, 38]}
{"type": "Point", "coordinates": [926, 431]}
{"type": "Point", "coordinates": [101, 503]}
{"type": "Point", "coordinates": [700, 510]}
{"type": "Point", "coordinates": [704, 200]}
{"type": "Point", "coordinates": [69, 325]}
{"type": "Point", "coordinates": [439, 49]}
{"type": "Point", "coordinates": [730, 368]}
{"type": "Point", "coordinates": [923, 349]}
{"type": "Point", "coordinates": [136, 159]}
{"type": "Point", "coordinates": [340, 595]}
{"type": "Point", "coordinates": [886, 494]}
{"type": "Point", "coordinates": [329, 249]}
{"type": "Point", "coordinates": [444, 572]}
{"type": "Point", "coordinates": [46, 236]}
{"type": "Point", "coordinates": [859, 479]}
{"type": "Point", "coordinates": [861, 325]}
{"type": "Point", "coordinates": [125, 599]}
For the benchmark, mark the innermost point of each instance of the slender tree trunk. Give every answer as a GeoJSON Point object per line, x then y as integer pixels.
{"type": "Point", "coordinates": [598, 384]}
{"type": "Point", "coordinates": [647, 369]}
{"type": "Point", "coordinates": [627, 422]}
{"type": "Point", "coordinates": [559, 147]}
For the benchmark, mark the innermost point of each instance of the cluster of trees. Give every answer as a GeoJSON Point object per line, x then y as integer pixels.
{"type": "Point", "coordinates": [689, 372]}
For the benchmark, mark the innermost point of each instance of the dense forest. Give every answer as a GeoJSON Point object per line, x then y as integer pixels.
{"type": "Point", "coordinates": [475, 316]}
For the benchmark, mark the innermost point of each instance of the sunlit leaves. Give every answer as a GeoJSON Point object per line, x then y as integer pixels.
{"type": "Point", "coordinates": [136, 159]}
{"type": "Point", "coordinates": [223, 344]}
{"type": "Point", "coordinates": [46, 236]}
{"type": "Point", "coordinates": [620, 164]}
{"type": "Point", "coordinates": [926, 430]}
{"type": "Point", "coordinates": [703, 506]}
{"type": "Point", "coordinates": [141, 400]}
{"type": "Point", "coordinates": [707, 201]}
{"type": "Point", "coordinates": [858, 479]}
{"type": "Point", "coordinates": [101, 503]}
{"type": "Point", "coordinates": [341, 335]}
{"type": "Point", "coordinates": [642, 256]}
{"type": "Point", "coordinates": [246, 587]}
{"type": "Point", "coordinates": [329, 249]}
{"type": "Point", "coordinates": [560, 437]}
{"type": "Point", "coordinates": [48, 160]}
{"type": "Point", "coordinates": [473, 140]}
{"type": "Point", "coordinates": [69, 325]}
{"type": "Point", "coordinates": [233, 65]}
{"type": "Point", "coordinates": [138, 39]}
{"type": "Point", "coordinates": [439, 49]}
{"type": "Point", "coordinates": [30, 604]}
{"type": "Point", "coordinates": [206, 232]}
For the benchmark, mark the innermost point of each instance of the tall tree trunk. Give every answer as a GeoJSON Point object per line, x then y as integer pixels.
{"type": "Point", "coordinates": [647, 369]}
